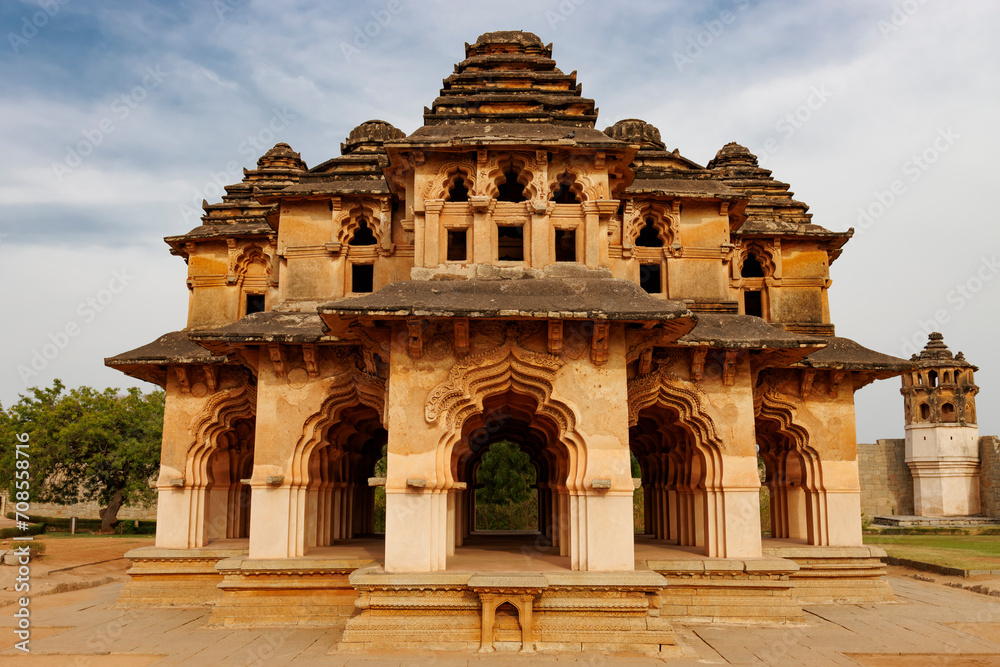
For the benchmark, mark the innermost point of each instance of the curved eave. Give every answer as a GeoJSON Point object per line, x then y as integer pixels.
{"type": "Point", "coordinates": [220, 232]}
{"type": "Point", "coordinates": [731, 331]}
{"type": "Point", "coordinates": [300, 328]}
{"type": "Point", "coordinates": [535, 298]}
{"type": "Point", "coordinates": [150, 362]}
{"type": "Point", "coordinates": [845, 354]}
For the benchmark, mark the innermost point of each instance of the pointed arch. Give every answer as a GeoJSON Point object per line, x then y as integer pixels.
{"type": "Point", "coordinates": [375, 215]}
{"type": "Point", "coordinates": [216, 418]}
{"type": "Point", "coordinates": [354, 387]}
{"type": "Point", "coordinates": [791, 457]}
{"type": "Point", "coordinates": [567, 184]}
{"type": "Point", "coordinates": [683, 397]}
{"type": "Point", "coordinates": [649, 214]}
{"type": "Point", "coordinates": [765, 255]}
{"type": "Point", "coordinates": [507, 367]}
{"type": "Point", "coordinates": [243, 264]}
{"type": "Point", "coordinates": [449, 174]}
{"type": "Point", "coordinates": [694, 448]}
{"type": "Point", "coordinates": [516, 163]}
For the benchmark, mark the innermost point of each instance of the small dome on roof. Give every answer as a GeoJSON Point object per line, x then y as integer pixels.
{"type": "Point", "coordinates": [518, 37]}
{"type": "Point", "coordinates": [733, 154]}
{"type": "Point", "coordinates": [635, 131]}
{"type": "Point", "coordinates": [281, 155]}
{"type": "Point", "coordinates": [371, 134]}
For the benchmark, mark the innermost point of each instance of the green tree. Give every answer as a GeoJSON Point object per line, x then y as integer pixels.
{"type": "Point", "coordinates": [506, 500]}
{"type": "Point", "coordinates": [86, 444]}
{"type": "Point", "coordinates": [506, 475]}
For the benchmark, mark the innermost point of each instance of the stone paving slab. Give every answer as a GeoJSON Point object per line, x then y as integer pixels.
{"type": "Point", "coordinates": [931, 624]}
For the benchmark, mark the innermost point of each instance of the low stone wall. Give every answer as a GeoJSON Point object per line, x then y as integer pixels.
{"type": "Point", "coordinates": [85, 510]}
{"type": "Point", "coordinates": [989, 475]}
{"type": "Point", "coordinates": [886, 482]}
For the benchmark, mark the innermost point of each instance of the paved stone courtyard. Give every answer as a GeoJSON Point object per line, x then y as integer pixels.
{"type": "Point", "coordinates": [931, 624]}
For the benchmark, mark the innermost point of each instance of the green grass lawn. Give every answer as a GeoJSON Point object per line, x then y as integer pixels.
{"type": "Point", "coordinates": [969, 552]}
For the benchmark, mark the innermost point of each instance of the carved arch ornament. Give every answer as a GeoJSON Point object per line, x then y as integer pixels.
{"type": "Point", "coordinates": [577, 184]}
{"type": "Point", "coordinates": [702, 461]}
{"type": "Point", "coordinates": [663, 220]}
{"type": "Point", "coordinates": [769, 405]}
{"type": "Point", "coordinates": [507, 367]}
{"type": "Point", "coordinates": [580, 169]}
{"type": "Point", "coordinates": [377, 215]}
{"type": "Point", "coordinates": [530, 173]}
{"type": "Point", "coordinates": [240, 263]}
{"type": "Point", "coordinates": [662, 387]}
{"type": "Point", "coordinates": [353, 387]}
{"type": "Point", "coordinates": [215, 419]}
{"type": "Point", "coordinates": [447, 174]}
{"type": "Point", "coordinates": [765, 252]}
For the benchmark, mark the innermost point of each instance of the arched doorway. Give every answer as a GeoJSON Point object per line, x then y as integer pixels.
{"type": "Point", "coordinates": [678, 479]}
{"type": "Point", "coordinates": [525, 446]}
{"type": "Point", "coordinates": [792, 475]}
{"type": "Point", "coordinates": [341, 503]}
{"type": "Point", "coordinates": [228, 498]}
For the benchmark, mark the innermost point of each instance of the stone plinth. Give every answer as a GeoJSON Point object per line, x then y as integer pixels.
{"type": "Point", "coordinates": [173, 577]}
{"type": "Point", "coordinates": [571, 611]}
{"type": "Point", "coordinates": [944, 462]}
{"type": "Point", "coordinates": [728, 590]}
{"type": "Point", "coordinates": [934, 522]}
{"type": "Point", "coordinates": [836, 574]}
{"type": "Point", "coordinates": [285, 592]}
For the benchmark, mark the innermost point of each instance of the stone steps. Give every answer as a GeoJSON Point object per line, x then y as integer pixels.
{"type": "Point", "coordinates": [934, 521]}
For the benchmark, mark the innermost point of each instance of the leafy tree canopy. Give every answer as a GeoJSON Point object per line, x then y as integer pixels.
{"type": "Point", "coordinates": [506, 475]}
{"type": "Point", "coordinates": [85, 444]}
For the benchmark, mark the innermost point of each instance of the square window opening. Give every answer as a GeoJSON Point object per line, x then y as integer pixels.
{"type": "Point", "coordinates": [457, 245]}
{"type": "Point", "coordinates": [255, 303]}
{"type": "Point", "coordinates": [510, 244]}
{"type": "Point", "coordinates": [753, 304]}
{"type": "Point", "coordinates": [362, 278]}
{"type": "Point", "coordinates": [649, 278]}
{"type": "Point", "coordinates": [565, 245]}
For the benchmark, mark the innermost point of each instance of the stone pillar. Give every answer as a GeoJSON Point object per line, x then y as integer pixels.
{"type": "Point", "coordinates": [541, 235]}
{"type": "Point", "coordinates": [592, 235]}
{"type": "Point", "coordinates": [432, 232]}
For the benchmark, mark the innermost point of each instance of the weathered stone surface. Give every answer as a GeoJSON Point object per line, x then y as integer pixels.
{"type": "Point", "coordinates": [505, 272]}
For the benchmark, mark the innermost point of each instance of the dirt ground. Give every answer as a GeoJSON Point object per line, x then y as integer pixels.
{"type": "Point", "coordinates": [71, 563]}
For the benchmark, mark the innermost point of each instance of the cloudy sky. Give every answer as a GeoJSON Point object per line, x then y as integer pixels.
{"type": "Point", "coordinates": [119, 117]}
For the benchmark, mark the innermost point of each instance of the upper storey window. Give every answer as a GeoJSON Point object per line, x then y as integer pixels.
{"type": "Point", "coordinates": [458, 192]}
{"type": "Point", "coordinates": [565, 192]}
{"type": "Point", "coordinates": [255, 304]}
{"type": "Point", "coordinates": [510, 190]}
{"type": "Point", "coordinates": [752, 268]}
{"type": "Point", "coordinates": [363, 234]}
{"type": "Point", "coordinates": [510, 244]}
{"type": "Point", "coordinates": [649, 236]}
